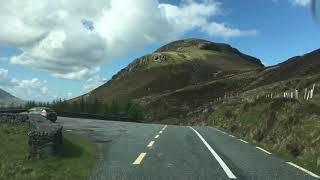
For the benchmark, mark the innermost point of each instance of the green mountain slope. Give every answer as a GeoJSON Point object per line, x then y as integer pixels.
{"type": "Point", "coordinates": [175, 66]}
{"type": "Point", "coordinates": [196, 82]}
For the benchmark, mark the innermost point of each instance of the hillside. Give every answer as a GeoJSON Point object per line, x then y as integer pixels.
{"type": "Point", "coordinates": [196, 82]}
{"type": "Point", "coordinates": [6, 99]}
{"type": "Point", "coordinates": [295, 67]}
{"type": "Point", "coordinates": [180, 80]}
{"type": "Point", "coordinates": [175, 66]}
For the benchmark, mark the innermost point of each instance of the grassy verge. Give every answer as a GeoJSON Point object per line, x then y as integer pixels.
{"type": "Point", "coordinates": [287, 127]}
{"type": "Point", "coordinates": [75, 162]}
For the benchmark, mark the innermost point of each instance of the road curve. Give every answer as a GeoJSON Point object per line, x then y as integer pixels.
{"type": "Point", "coordinates": [136, 151]}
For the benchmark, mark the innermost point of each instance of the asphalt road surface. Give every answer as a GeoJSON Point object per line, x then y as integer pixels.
{"type": "Point", "coordinates": [164, 152]}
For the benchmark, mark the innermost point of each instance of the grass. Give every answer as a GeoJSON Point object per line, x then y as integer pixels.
{"type": "Point", "coordinates": [76, 161]}
{"type": "Point", "coordinates": [287, 127]}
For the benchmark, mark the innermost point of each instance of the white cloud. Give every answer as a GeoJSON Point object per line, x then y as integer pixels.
{"type": "Point", "coordinates": [4, 80]}
{"type": "Point", "coordinates": [302, 3]}
{"type": "Point", "coordinates": [222, 30]}
{"type": "Point", "coordinates": [72, 39]}
{"type": "Point", "coordinates": [3, 73]}
{"type": "Point", "coordinates": [34, 89]}
{"type": "Point", "coordinates": [92, 83]}
{"type": "Point", "coordinates": [28, 89]}
{"type": "Point", "coordinates": [69, 95]}
{"type": "Point", "coordinates": [44, 90]}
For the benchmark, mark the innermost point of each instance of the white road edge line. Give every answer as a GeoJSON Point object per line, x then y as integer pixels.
{"type": "Point", "coordinates": [156, 136]}
{"type": "Point", "coordinates": [220, 161]}
{"type": "Point", "coordinates": [263, 150]}
{"type": "Point", "coordinates": [243, 141]}
{"type": "Point", "coordinates": [304, 170]}
{"type": "Point", "coordinates": [139, 158]}
{"type": "Point", "coordinates": [151, 144]}
{"type": "Point", "coordinates": [231, 135]}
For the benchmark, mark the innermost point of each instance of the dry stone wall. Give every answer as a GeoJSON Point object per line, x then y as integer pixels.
{"type": "Point", "coordinates": [45, 137]}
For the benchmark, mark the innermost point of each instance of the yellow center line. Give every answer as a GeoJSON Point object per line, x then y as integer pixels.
{"type": "Point", "coordinates": [160, 132]}
{"type": "Point", "coordinates": [151, 144]}
{"type": "Point", "coordinates": [139, 158]}
{"type": "Point", "coordinates": [156, 136]}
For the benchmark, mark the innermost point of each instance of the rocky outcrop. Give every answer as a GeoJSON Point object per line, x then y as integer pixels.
{"type": "Point", "coordinates": [45, 138]}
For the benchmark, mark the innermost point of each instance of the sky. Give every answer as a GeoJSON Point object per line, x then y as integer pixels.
{"type": "Point", "coordinates": [65, 48]}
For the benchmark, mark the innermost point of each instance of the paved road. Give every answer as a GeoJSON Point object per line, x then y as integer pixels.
{"type": "Point", "coordinates": [159, 152]}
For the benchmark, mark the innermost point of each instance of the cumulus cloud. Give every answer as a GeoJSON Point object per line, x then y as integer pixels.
{"type": "Point", "coordinates": [27, 89]}
{"type": "Point", "coordinates": [4, 80]}
{"type": "Point", "coordinates": [222, 30]}
{"type": "Point", "coordinates": [3, 73]}
{"type": "Point", "coordinates": [92, 83]}
{"type": "Point", "coordinates": [302, 3]}
{"type": "Point", "coordinates": [72, 39]}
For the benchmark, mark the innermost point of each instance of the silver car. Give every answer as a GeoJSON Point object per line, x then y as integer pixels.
{"type": "Point", "coordinates": [45, 112]}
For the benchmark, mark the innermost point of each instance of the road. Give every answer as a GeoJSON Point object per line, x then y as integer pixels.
{"type": "Point", "coordinates": [136, 151]}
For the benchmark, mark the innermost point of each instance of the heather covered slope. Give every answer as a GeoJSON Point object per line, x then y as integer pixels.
{"type": "Point", "coordinates": [186, 77]}
{"type": "Point", "coordinates": [295, 67]}
{"type": "Point", "coordinates": [175, 66]}
{"type": "Point", "coordinates": [196, 82]}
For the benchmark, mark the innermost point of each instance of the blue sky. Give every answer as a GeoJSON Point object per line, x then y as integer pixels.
{"type": "Point", "coordinates": [73, 54]}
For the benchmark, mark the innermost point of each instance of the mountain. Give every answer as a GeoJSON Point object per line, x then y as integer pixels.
{"type": "Point", "coordinates": [181, 80]}
{"type": "Point", "coordinates": [197, 82]}
{"type": "Point", "coordinates": [6, 99]}
{"type": "Point", "coordinates": [295, 67]}
{"type": "Point", "coordinates": [175, 66]}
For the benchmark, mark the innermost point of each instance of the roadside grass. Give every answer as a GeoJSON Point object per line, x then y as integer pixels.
{"type": "Point", "coordinates": [75, 162]}
{"type": "Point", "coordinates": [288, 128]}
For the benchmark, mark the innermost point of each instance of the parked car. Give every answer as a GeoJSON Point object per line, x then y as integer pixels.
{"type": "Point", "coordinates": [45, 112]}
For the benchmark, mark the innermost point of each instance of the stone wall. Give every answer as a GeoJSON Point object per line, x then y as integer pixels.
{"type": "Point", "coordinates": [45, 137]}
{"type": "Point", "coordinates": [13, 118]}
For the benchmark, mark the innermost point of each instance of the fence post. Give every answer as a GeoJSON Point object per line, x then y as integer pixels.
{"type": "Point", "coordinates": [312, 91]}
{"type": "Point", "coordinates": [305, 94]}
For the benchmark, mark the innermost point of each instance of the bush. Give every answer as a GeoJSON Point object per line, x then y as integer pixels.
{"type": "Point", "coordinates": [295, 148]}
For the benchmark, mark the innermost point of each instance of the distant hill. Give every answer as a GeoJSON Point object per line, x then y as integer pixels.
{"type": "Point", "coordinates": [295, 67]}
{"type": "Point", "coordinates": [6, 99]}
